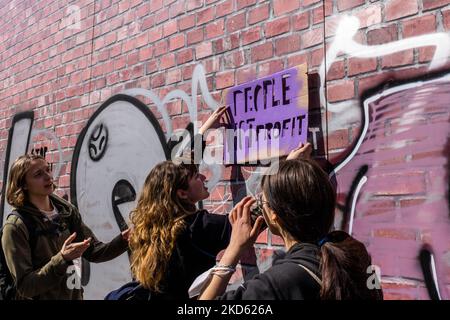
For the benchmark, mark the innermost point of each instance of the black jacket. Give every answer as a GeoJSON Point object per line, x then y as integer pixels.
{"type": "Point", "coordinates": [285, 280]}
{"type": "Point", "coordinates": [196, 249]}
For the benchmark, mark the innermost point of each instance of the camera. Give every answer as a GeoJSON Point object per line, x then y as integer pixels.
{"type": "Point", "coordinates": [256, 210]}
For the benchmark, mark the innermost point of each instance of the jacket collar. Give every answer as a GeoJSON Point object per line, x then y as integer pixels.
{"type": "Point", "coordinates": [64, 208]}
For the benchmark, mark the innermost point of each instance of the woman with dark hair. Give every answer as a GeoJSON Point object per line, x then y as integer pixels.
{"type": "Point", "coordinates": [297, 203]}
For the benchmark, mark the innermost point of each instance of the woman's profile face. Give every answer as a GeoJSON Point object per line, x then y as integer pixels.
{"type": "Point", "coordinates": [197, 190]}
{"type": "Point", "coordinates": [266, 212]}
{"type": "Point", "coordinates": [39, 179]}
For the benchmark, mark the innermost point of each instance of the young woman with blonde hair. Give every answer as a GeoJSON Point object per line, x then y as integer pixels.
{"type": "Point", "coordinates": [39, 259]}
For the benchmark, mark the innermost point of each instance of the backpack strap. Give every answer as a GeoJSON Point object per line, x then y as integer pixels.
{"type": "Point", "coordinates": [312, 274]}
{"type": "Point", "coordinates": [30, 225]}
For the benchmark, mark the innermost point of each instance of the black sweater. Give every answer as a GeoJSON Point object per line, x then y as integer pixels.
{"type": "Point", "coordinates": [196, 250]}
{"type": "Point", "coordinates": [285, 280]}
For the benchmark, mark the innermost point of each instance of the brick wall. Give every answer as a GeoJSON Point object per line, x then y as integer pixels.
{"type": "Point", "coordinates": [64, 59]}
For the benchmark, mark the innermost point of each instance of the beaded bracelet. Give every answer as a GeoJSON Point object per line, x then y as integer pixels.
{"type": "Point", "coordinates": [223, 269]}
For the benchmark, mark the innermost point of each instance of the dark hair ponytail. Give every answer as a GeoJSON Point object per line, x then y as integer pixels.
{"type": "Point", "coordinates": [344, 264]}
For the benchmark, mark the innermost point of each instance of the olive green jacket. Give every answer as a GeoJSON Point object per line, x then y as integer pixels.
{"type": "Point", "coordinates": [44, 274]}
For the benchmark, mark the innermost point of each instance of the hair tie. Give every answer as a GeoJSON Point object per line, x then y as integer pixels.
{"type": "Point", "coordinates": [324, 240]}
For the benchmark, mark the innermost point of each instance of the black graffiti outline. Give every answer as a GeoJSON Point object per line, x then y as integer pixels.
{"type": "Point", "coordinates": [85, 274]}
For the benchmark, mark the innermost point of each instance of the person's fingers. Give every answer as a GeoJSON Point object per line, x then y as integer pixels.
{"type": "Point", "coordinates": [256, 230]}
{"type": "Point", "coordinates": [240, 206]}
{"type": "Point", "coordinates": [246, 209]}
{"type": "Point", "coordinates": [70, 239]}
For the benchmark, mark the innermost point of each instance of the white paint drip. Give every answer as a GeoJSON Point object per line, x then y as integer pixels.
{"type": "Point", "coordinates": [354, 200]}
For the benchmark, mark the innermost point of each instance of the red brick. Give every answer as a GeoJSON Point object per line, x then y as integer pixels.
{"type": "Point", "coordinates": [395, 9]}
{"type": "Point", "coordinates": [246, 74]}
{"type": "Point", "coordinates": [318, 16]}
{"type": "Point", "coordinates": [317, 57]}
{"type": "Point", "coordinates": [258, 14]}
{"type": "Point", "coordinates": [398, 59]}
{"type": "Point", "coordinates": [194, 4]}
{"type": "Point", "coordinates": [151, 67]}
{"type": "Point", "coordinates": [244, 3]}
{"type": "Point", "coordinates": [270, 67]}
{"type": "Point", "coordinates": [369, 16]}
{"type": "Point", "coordinates": [262, 237]}
{"type": "Point", "coordinates": [205, 15]}
{"type": "Point", "coordinates": [145, 53]}
{"type": "Point", "coordinates": [169, 28]}
{"type": "Point", "coordinates": [342, 90]}
{"type": "Point", "coordinates": [281, 7]}
{"type": "Point", "coordinates": [251, 35]}
{"type": "Point", "coordinates": [234, 60]}
{"type": "Point", "coordinates": [337, 71]}
{"type": "Point", "coordinates": [382, 35]}
{"type": "Point", "coordinates": [167, 61]}
{"type": "Point", "coordinates": [405, 203]}
{"type": "Point", "coordinates": [312, 37]}
{"type": "Point", "coordinates": [161, 47]}
{"type": "Point", "coordinates": [382, 206]}
{"type": "Point", "coordinates": [194, 36]}
{"type": "Point", "coordinates": [446, 18]}
{"type": "Point", "coordinates": [338, 139]}
{"type": "Point", "coordinates": [177, 9]}
{"type": "Point", "coordinates": [224, 80]}
{"type": "Point", "coordinates": [398, 234]}
{"type": "Point", "coordinates": [215, 29]}
{"type": "Point", "coordinates": [276, 240]}
{"type": "Point", "coordinates": [224, 8]}
{"type": "Point", "coordinates": [287, 44]}
{"type": "Point", "coordinates": [155, 5]}
{"type": "Point", "coordinates": [418, 26]}
{"type": "Point", "coordinates": [426, 54]}
{"type": "Point", "coordinates": [301, 21]}
{"type": "Point", "coordinates": [236, 22]}
{"type": "Point", "coordinates": [162, 15]}
{"type": "Point", "coordinates": [357, 65]}
{"type": "Point", "coordinates": [348, 4]}
{"type": "Point", "coordinates": [155, 34]}
{"type": "Point", "coordinates": [203, 50]}
{"type": "Point", "coordinates": [186, 22]}
{"type": "Point", "coordinates": [328, 7]}
{"type": "Point", "coordinates": [432, 4]}
{"type": "Point", "coordinates": [234, 40]}
{"type": "Point", "coordinates": [185, 56]}
{"type": "Point", "coordinates": [261, 52]}
{"type": "Point", "coordinates": [297, 60]}
{"type": "Point", "coordinates": [173, 76]}
{"type": "Point", "coordinates": [405, 183]}
{"type": "Point", "coordinates": [176, 42]}
{"type": "Point", "coordinates": [276, 27]}
{"type": "Point", "coordinates": [158, 80]}
{"type": "Point", "coordinates": [306, 3]}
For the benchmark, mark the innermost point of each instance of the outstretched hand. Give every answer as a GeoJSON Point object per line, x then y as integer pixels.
{"type": "Point", "coordinates": [71, 251]}
{"type": "Point", "coordinates": [213, 120]}
{"type": "Point", "coordinates": [303, 151]}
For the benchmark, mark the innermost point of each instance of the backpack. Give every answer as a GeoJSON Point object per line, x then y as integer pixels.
{"type": "Point", "coordinates": [130, 291]}
{"type": "Point", "coordinates": [8, 288]}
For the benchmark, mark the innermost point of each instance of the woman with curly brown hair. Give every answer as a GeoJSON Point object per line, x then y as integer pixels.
{"type": "Point", "coordinates": [173, 242]}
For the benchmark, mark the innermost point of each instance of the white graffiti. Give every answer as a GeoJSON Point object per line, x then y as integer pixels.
{"type": "Point", "coordinates": [344, 43]}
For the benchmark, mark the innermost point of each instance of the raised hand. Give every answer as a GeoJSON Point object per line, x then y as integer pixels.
{"type": "Point", "coordinates": [213, 120]}
{"type": "Point", "coordinates": [303, 151]}
{"type": "Point", "coordinates": [71, 251]}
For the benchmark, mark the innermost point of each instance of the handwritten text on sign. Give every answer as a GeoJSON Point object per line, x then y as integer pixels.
{"type": "Point", "coordinates": [269, 117]}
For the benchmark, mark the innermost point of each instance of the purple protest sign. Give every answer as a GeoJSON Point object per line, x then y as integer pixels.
{"type": "Point", "coordinates": [269, 117]}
